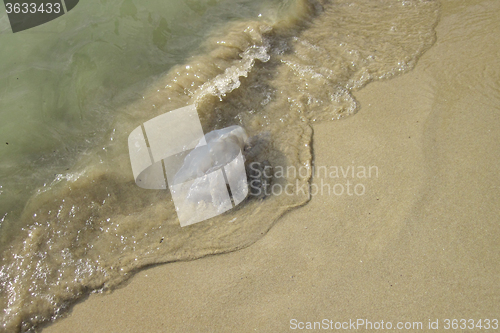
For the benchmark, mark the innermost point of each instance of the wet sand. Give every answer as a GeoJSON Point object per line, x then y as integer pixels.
{"type": "Point", "coordinates": [422, 242]}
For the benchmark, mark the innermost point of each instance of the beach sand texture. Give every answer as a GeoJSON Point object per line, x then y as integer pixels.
{"type": "Point", "coordinates": [422, 243]}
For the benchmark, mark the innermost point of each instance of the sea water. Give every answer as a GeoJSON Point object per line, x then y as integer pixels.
{"type": "Point", "coordinates": [73, 221]}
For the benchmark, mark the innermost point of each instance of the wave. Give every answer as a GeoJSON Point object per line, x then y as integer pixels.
{"type": "Point", "coordinates": [92, 228]}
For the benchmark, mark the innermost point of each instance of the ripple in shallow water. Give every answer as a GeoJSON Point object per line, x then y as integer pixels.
{"type": "Point", "coordinates": [92, 228]}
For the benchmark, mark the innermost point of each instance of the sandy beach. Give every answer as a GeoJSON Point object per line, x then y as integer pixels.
{"type": "Point", "coordinates": [417, 241]}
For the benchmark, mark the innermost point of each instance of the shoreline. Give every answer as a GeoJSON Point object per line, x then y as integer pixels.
{"type": "Point", "coordinates": [420, 245]}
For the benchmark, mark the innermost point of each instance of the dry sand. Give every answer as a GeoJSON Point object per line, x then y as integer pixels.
{"type": "Point", "coordinates": [422, 243]}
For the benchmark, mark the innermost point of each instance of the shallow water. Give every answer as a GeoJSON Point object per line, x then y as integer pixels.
{"type": "Point", "coordinates": [73, 220]}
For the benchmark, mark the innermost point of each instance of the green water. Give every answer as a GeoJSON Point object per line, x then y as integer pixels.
{"type": "Point", "coordinates": [60, 82]}
{"type": "Point", "coordinates": [71, 91]}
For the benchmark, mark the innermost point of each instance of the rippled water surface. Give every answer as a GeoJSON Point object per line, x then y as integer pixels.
{"type": "Point", "coordinates": [72, 219]}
